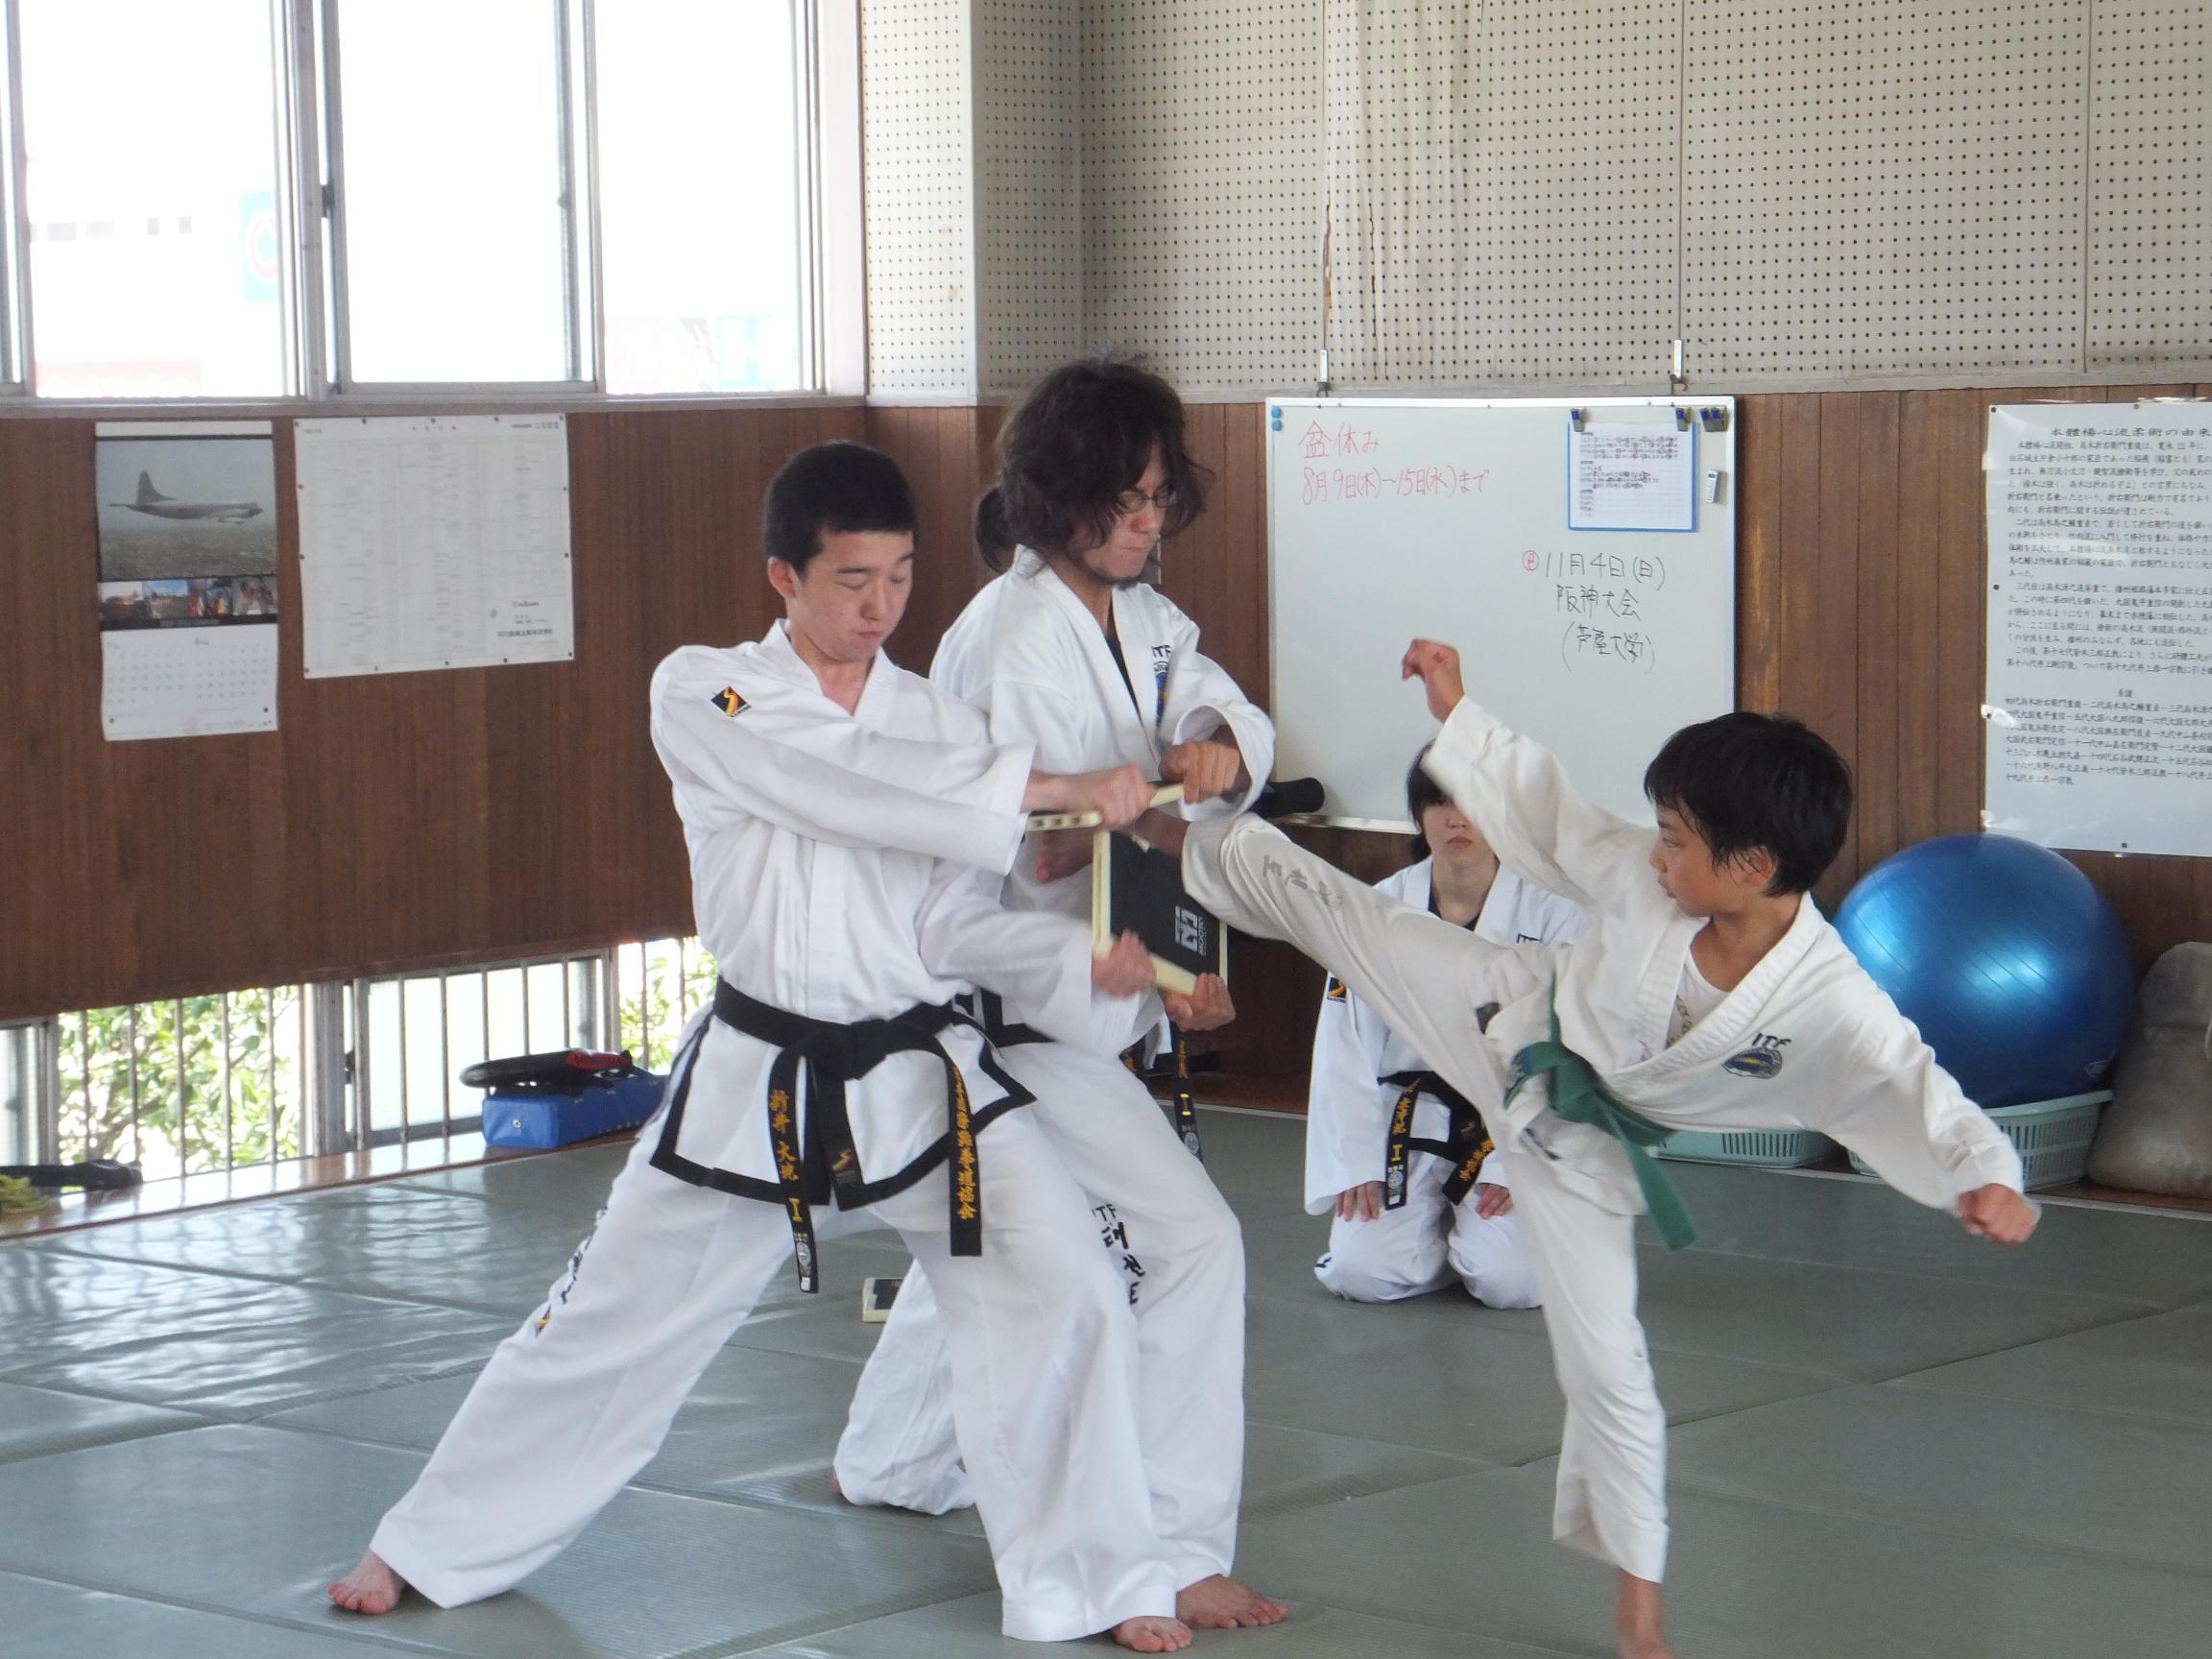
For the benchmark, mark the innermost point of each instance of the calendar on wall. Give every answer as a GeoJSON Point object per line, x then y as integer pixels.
{"type": "Point", "coordinates": [188, 681]}
{"type": "Point", "coordinates": [188, 516]}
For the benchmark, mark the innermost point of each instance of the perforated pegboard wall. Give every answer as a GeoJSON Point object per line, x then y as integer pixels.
{"type": "Point", "coordinates": [1502, 181]}
{"type": "Point", "coordinates": [1029, 195]}
{"type": "Point", "coordinates": [917, 165]}
{"type": "Point", "coordinates": [2149, 184]}
{"type": "Point", "coordinates": [1202, 186]}
{"type": "Point", "coordinates": [1884, 186]}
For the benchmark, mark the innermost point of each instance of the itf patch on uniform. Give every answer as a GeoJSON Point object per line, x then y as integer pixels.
{"type": "Point", "coordinates": [727, 701]}
{"type": "Point", "coordinates": [1759, 1063]}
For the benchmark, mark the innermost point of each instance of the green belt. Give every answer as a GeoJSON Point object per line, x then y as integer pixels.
{"type": "Point", "coordinates": [1580, 1096]}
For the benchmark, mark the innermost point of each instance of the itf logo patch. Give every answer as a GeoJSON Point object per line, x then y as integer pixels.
{"type": "Point", "coordinates": [1762, 1060]}
{"type": "Point", "coordinates": [729, 702]}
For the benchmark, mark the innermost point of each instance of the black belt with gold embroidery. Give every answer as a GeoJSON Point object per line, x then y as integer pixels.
{"type": "Point", "coordinates": [1465, 1149]}
{"type": "Point", "coordinates": [825, 1166]}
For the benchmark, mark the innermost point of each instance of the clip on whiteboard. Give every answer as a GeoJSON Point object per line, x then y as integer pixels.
{"type": "Point", "coordinates": [1681, 419]}
{"type": "Point", "coordinates": [1714, 419]}
{"type": "Point", "coordinates": [1576, 416]}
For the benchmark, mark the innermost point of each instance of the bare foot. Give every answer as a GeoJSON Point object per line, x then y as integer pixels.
{"type": "Point", "coordinates": [1221, 1603]}
{"type": "Point", "coordinates": [370, 1588]}
{"type": "Point", "coordinates": [1152, 1635]}
{"type": "Point", "coordinates": [1640, 1618]}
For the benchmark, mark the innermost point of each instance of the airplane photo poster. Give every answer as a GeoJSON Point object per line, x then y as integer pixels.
{"type": "Point", "coordinates": [187, 517]}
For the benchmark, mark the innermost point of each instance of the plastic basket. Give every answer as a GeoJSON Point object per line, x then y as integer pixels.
{"type": "Point", "coordinates": [2053, 1136]}
{"type": "Point", "coordinates": [1767, 1148]}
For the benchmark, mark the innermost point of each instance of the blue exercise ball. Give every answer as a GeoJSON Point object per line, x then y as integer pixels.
{"type": "Point", "coordinates": [2006, 957]}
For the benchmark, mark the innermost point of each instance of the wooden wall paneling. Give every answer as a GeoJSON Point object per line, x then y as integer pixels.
{"type": "Point", "coordinates": [1191, 565]}
{"type": "Point", "coordinates": [943, 457]}
{"type": "Point", "coordinates": [2200, 873]}
{"type": "Point", "coordinates": [561, 727]}
{"type": "Point", "coordinates": [1920, 457]}
{"type": "Point", "coordinates": [1835, 711]}
{"type": "Point", "coordinates": [54, 790]}
{"type": "Point", "coordinates": [1798, 684]}
{"type": "Point", "coordinates": [408, 820]}
{"type": "Point", "coordinates": [1801, 682]}
{"type": "Point", "coordinates": [1245, 591]}
{"type": "Point", "coordinates": [1878, 687]}
{"type": "Point", "coordinates": [1217, 569]}
{"type": "Point", "coordinates": [1758, 562]}
{"type": "Point", "coordinates": [1963, 419]}
{"type": "Point", "coordinates": [2200, 898]}
{"type": "Point", "coordinates": [686, 569]}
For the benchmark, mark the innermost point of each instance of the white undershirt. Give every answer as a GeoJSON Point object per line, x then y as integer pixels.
{"type": "Point", "coordinates": [1693, 999]}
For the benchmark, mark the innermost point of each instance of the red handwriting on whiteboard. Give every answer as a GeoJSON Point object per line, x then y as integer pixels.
{"type": "Point", "coordinates": [1317, 442]}
{"type": "Point", "coordinates": [1320, 484]}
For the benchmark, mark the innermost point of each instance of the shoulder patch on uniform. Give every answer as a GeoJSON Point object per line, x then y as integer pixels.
{"type": "Point", "coordinates": [1335, 992]}
{"type": "Point", "coordinates": [1759, 1063]}
{"type": "Point", "coordinates": [727, 701]}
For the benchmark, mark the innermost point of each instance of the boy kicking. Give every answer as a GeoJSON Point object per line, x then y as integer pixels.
{"type": "Point", "coordinates": [1708, 994]}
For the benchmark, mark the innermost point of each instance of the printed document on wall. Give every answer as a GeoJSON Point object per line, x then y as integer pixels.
{"type": "Point", "coordinates": [434, 542]}
{"type": "Point", "coordinates": [1631, 475]}
{"type": "Point", "coordinates": [2099, 697]}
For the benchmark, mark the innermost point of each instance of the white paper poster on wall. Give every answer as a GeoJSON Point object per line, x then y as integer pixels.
{"type": "Point", "coordinates": [187, 518]}
{"type": "Point", "coordinates": [2099, 706]}
{"type": "Point", "coordinates": [434, 542]}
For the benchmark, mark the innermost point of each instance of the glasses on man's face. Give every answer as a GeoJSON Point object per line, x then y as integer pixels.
{"type": "Point", "coordinates": [1131, 502]}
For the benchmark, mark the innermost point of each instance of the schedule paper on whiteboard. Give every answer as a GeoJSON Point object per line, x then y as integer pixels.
{"type": "Point", "coordinates": [1631, 475]}
{"type": "Point", "coordinates": [434, 542]}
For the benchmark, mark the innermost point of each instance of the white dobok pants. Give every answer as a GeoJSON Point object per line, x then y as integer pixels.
{"type": "Point", "coordinates": [1426, 979]}
{"type": "Point", "coordinates": [1160, 1227]}
{"type": "Point", "coordinates": [1427, 1242]}
{"type": "Point", "coordinates": [1043, 1365]}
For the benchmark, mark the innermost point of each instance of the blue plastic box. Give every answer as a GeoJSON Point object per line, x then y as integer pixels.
{"type": "Point", "coordinates": [545, 1117]}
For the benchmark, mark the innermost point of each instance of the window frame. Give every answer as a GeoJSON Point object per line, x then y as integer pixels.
{"type": "Point", "coordinates": [307, 132]}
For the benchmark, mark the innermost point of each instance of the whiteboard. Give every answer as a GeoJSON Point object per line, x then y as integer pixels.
{"type": "Point", "coordinates": [2098, 698]}
{"type": "Point", "coordinates": [1389, 518]}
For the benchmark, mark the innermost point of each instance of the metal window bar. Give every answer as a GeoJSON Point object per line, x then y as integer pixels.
{"type": "Point", "coordinates": [17, 351]}
{"type": "Point", "coordinates": [591, 315]}
{"type": "Point", "coordinates": [184, 1101]}
{"type": "Point", "coordinates": [578, 982]}
{"type": "Point", "coordinates": [137, 1149]}
{"type": "Point", "coordinates": [48, 1139]}
{"type": "Point", "coordinates": [94, 1093]}
{"type": "Point", "coordinates": [230, 1141]}
{"type": "Point", "coordinates": [807, 68]}
{"type": "Point", "coordinates": [406, 1073]}
{"type": "Point", "coordinates": [581, 354]}
{"type": "Point", "coordinates": [445, 1058]}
